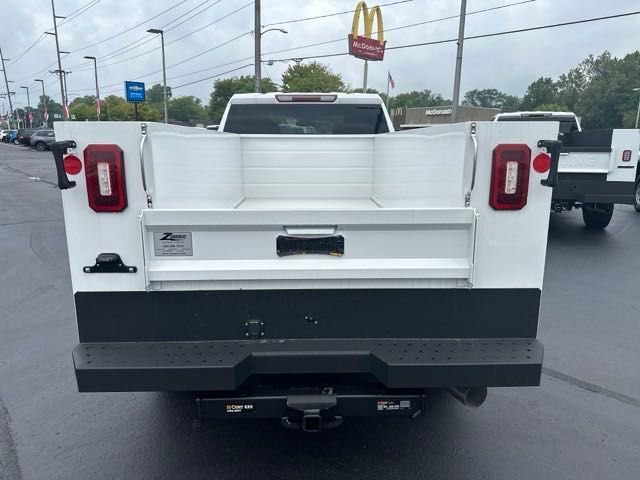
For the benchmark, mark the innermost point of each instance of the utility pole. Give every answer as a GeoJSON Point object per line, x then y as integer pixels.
{"type": "Point", "coordinates": [44, 101]}
{"type": "Point", "coordinates": [6, 82]}
{"type": "Point", "coordinates": [458, 74]}
{"type": "Point", "coordinates": [60, 74]}
{"type": "Point", "coordinates": [257, 38]}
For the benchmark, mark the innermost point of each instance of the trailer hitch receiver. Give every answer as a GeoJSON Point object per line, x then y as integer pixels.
{"type": "Point", "coordinates": [315, 409]}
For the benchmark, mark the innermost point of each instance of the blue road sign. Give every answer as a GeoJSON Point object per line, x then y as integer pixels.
{"type": "Point", "coordinates": [134, 91]}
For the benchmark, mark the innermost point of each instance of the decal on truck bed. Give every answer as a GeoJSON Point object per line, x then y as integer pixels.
{"type": "Point", "coordinates": [166, 244]}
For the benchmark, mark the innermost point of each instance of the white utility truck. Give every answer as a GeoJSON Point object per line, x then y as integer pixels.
{"type": "Point", "coordinates": [598, 168]}
{"type": "Point", "coordinates": [306, 262]}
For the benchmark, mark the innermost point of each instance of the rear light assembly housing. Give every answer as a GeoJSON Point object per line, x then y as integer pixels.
{"type": "Point", "coordinates": [510, 177]}
{"type": "Point", "coordinates": [104, 172]}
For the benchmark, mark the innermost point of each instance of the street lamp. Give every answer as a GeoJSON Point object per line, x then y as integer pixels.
{"type": "Point", "coordinates": [95, 69]}
{"type": "Point", "coordinates": [637, 114]}
{"type": "Point", "coordinates": [44, 101]}
{"type": "Point", "coordinates": [164, 71]}
{"type": "Point", "coordinates": [29, 106]}
{"type": "Point", "coordinates": [258, 46]}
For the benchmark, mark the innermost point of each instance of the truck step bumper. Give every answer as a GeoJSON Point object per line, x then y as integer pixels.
{"type": "Point", "coordinates": [226, 365]}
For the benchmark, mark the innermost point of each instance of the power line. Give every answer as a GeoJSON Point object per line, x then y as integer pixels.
{"type": "Point", "coordinates": [116, 54]}
{"type": "Point", "coordinates": [335, 14]}
{"type": "Point", "coordinates": [78, 12]}
{"type": "Point", "coordinates": [212, 76]}
{"type": "Point", "coordinates": [473, 37]}
{"type": "Point", "coordinates": [130, 28]}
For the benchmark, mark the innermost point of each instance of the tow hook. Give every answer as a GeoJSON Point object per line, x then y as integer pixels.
{"type": "Point", "coordinates": [315, 407]}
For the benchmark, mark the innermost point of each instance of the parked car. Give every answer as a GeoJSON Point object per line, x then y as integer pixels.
{"type": "Point", "coordinates": [24, 135]}
{"type": "Point", "coordinates": [41, 139]}
{"type": "Point", "coordinates": [4, 135]}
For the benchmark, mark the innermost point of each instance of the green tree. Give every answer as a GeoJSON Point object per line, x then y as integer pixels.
{"type": "Point", "coordinates": [225, 88]}
{"type": "Point", "coordinates": [553, 107]}
{"type": "Point", "coordinates": [492, 98]}
{"type": "Point", "coordinates": [118, 109]}
{"type": "Point", "coordinates": [540, 92]}
{"type": "Point", "coordinates": [417, 98]}
{"type": "Point", "coordinates": [82, 111]}
{"type": "Point", "coordinates": [187, 109]}
{"type": "Point", "coordinates": [608, 100]}
{"type": "Point", "coordinates": [311, 77]}
{"type": "Point", "coordinates": [155, 94]}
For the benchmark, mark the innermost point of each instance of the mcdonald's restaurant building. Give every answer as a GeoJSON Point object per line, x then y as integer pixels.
{"type": "Point", "coordinates": [425, 116]}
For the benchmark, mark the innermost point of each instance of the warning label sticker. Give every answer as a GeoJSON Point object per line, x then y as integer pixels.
{"type": "Point", "coordinates": [167, 244]}
{"type": "Point", "coordinates": [393, 405]}
{"type": "Point", "coordinates": [239, 408]}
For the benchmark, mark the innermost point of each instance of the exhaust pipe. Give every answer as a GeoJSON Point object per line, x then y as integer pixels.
{"type": "Point", "coordinates": [469, 396]}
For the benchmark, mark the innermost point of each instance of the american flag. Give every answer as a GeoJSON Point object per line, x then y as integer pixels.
{"type": "Point", "coordinates": [392, 84]}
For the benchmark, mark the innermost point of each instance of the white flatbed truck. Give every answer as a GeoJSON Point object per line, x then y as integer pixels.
{"type": "Point", "coordinates": [598, 168]}
{"type": "Point", "coordinates": [305, 262]}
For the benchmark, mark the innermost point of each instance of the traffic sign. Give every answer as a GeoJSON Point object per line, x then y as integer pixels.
{"type": "Point", "coordinates": [134, 91]}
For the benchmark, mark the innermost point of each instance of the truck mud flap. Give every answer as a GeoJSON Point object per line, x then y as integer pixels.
{"type": "Point", "coordinates": [227, 365]}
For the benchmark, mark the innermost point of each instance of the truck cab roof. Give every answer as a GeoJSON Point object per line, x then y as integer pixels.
{"type": "Point", "coordinates": [569, 121]}
{"type": "Point", "coordinates": [306, 97]}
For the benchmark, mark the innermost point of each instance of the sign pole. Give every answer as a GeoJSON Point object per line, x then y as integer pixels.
{"type": "Point", "coordinates": [135, 109]}
{"type": "Point", "coordinates": [458, 74]}
{"type": "Point", "coordinates": [366, 74]}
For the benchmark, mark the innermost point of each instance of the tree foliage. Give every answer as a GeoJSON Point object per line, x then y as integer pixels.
{"type": "Point", "coordinates": [187, 110]}
{"type": "Point", "coordinates": [417, 98]}
{"type": "Point", "coordinates": [492, 98]}
{"type": "Point", "coordinates": [311, 77]}
{"type": "Point", "coordinates": [225, 88]}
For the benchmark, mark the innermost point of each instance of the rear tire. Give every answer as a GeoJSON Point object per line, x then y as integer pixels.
{"type": "Point", "coordinates": [40, 146]}
{"type": "Point", "coordinates": [597, 216]}
{"type": "Point", "coordinates": [636, 197]}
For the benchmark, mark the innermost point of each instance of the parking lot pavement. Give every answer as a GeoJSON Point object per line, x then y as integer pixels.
{"type": "Point", "coordinates": [583, 422]}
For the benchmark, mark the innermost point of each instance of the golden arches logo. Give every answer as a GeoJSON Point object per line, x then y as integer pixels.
{"type": "Point", "coordinates": [363, 46]}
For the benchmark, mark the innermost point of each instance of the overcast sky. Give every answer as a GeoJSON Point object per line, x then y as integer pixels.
{"type": "Point", "coordinates": [508, 63]}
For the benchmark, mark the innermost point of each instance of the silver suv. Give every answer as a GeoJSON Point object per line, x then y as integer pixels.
{"type": "Point", "coordinates": [41, 139]}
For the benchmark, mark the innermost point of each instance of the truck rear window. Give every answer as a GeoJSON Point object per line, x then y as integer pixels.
{"type": "Point", "coordinates": [306, 119]}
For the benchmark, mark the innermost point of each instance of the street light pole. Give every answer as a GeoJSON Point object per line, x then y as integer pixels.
{"type": "Point", "coordinates": [29, 106]}
{"type": "Point", "coordinates": [95, 69]}
{"type": "Point", "coordinates": [637, 114]}
{"type": "Point", "coordinates": [62, 88]}
{"type": "Point", "coordinates": [6, 82]}
{"type": "Point", "coordinates": [164, 72]}
{"type": "Point", "coordinates": [258, 33]}
{"type": "Point", "coordinates": [458, 74]}
{"type": "Point", "coordinates": [44, 100]}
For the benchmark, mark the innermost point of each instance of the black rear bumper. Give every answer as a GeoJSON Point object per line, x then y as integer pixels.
{"type": "Point", "coordinates": [224, 366]}
{"type": "Point", "coordinates": [592, 188]}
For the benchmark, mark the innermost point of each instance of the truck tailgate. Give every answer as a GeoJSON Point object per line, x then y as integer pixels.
{"type": "Point", "coordinates": [225, 246]}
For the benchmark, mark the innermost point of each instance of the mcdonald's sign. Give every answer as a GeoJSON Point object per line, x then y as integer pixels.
{"type": "Point", "coordinates": [363, 46]}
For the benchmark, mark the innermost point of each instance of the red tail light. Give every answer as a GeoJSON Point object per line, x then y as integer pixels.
{"type": "Point", "coordinates": [510, 177]}
{"type": "Point", "coordinates": [104, 170]}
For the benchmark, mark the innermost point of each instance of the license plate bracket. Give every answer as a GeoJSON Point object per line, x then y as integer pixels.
{"type": "Point", "coordinates": [287, 245]}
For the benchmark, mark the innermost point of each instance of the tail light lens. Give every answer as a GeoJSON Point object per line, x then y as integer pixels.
{"type": "Point", "coordinates": [104, 170]}
{"type": "Point", "coordinates": [626, 156]}
{"type": "Point", "coordinates": [510, 177]}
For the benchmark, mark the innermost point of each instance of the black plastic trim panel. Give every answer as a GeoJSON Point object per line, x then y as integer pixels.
{"type": "Point", "coordinates": [592, 188]}
{"type": "Point", "coordinates": [159, 316]}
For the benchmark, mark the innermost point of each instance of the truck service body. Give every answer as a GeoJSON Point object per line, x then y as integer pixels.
{"type": "Point", "coordinates": [598, 168]}
{"type": "Point", "coordinates": [312, 275]}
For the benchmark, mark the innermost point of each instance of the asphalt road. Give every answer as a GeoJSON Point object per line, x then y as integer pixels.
{"type": "Point", "coordinates": [583, 422]}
